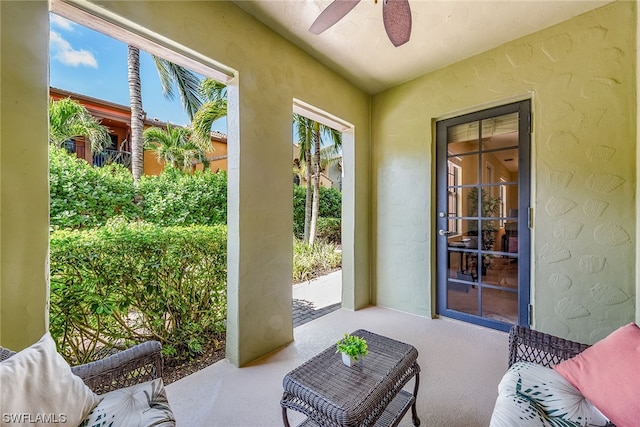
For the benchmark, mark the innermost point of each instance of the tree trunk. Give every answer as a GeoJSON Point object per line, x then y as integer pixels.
{"type": "Point", "coordinates": [316, 184]}
{"type": "Point", "coordinates": [307, 200]}
{"type": "Point", "coordinates": [137, 114]}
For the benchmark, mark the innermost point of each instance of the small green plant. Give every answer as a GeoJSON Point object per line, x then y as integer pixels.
{"type": "Point", "coordinates": [353, 346]}
{"type": "Point", "coordinates": [312, 261]}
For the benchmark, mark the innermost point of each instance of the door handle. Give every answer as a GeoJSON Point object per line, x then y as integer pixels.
{"type": "Point", "coordinates": [444, 232]}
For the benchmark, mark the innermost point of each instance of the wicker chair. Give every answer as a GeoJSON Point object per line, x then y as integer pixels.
{"type": "Point", "coordinates": [134, 365]}
{"type": "Point", "coordinates": [528, 345]}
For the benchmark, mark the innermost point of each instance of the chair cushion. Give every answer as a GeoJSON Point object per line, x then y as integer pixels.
{"type": "Point", "coordinates": [534, 395]}
{"type": "Point", "coordinates": [37, 386]}
{"type": "Point", "coordinates": [140, 405]}
{"type": "Point", "coordinates": [608, 374]}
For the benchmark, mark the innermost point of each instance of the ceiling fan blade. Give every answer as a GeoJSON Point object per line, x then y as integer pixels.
{"type": "Point", "coordinates": [396, 15]}
{"type": "Point", "coordinates": [332, 14]}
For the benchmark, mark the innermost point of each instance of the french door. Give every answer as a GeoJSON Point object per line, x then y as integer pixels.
{"type": "Point", "coordinates": [483, 241]}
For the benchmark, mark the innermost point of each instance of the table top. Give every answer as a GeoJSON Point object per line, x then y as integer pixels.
{"type": "Point", "coordinates": [325, 388]}
{"type": "Point", "coordinates": [461, 244]}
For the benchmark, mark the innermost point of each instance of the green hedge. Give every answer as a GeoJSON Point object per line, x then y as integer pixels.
{"type": "Point", "coordinates": [298, 210]}
{"type": "Point", "coordinates": [330, 230]}
{"type": "Point", "coordinates": [148, 261]}
{"type": "Point", "coordinates": [330, 211]}
{"type": "Point", "coordinates": [126, 283]}
{"type": "Point", "coordinates": [82, 196]}
{"type": "Point", "coordinates": [330, 203]}
{"type": "Point", "coordinates": [176, 198]}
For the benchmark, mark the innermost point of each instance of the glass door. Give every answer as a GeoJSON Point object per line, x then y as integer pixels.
{"type": "Point", "coordinates": [483, 233]}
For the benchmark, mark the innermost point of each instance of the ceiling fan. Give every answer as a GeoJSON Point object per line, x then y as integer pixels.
{"type": "Point", "coordinates": [396, 15]}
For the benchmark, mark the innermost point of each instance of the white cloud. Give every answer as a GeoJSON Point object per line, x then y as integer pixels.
{"type": "Point", "coordinates": [61, 22]}
{"type": "Point", "coordinates": [57, 42]}
{"type": "Point", "coordinates": [66, 54]}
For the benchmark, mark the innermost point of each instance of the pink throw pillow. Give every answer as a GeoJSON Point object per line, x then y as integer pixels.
{"type": "Point", "coordinates": [608, 375]}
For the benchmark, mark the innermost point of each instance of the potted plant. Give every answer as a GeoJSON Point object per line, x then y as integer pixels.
{"type": "Point", "coordinates": [352, 348]}
{"type": "Point", "coordinates": [489, 208]}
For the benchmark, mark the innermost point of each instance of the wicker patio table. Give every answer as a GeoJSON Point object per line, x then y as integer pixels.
{"type": "Point", "coordinates": [367, 394]}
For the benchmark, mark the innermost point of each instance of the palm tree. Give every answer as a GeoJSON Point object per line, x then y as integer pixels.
{"type": "Point", "coordinates": [304, 130]}
{"type": "Point", "coordinates": [170, 75]}
{"type": "Point", "coordinates": [137, 114]}
{"type": "Point", "coordinates": [335, 136]}
{"type": "Point", "coordinates": [174, 146]}
{"type": "Point", "coordinates": [68, 118]}
{"type": "Point", "coordinates": [310, 135]}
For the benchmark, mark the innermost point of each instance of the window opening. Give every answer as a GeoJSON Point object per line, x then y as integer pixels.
{"type": "Point", "coordinates": [211, 292]}
{"type": "Point", "coordinates": [454, 197]}
{"type": "Point", "coordinates": [503, 201]}
{"type": "Point", "coordinates": [318, 171]}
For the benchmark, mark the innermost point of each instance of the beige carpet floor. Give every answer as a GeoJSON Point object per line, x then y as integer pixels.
{"type": "Point", "coordinates": [461, 367]}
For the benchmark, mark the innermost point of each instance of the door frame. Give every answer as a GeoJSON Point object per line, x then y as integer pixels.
{"type": "Point", "coordinates": [523, 107]}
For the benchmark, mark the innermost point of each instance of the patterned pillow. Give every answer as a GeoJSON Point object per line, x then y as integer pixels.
{"type": "Point", "coordinates": [534, 395]}
{"type": "Point", "coordinates": [140, 405]}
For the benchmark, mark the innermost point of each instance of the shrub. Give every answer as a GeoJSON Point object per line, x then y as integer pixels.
{"type": "Point", "coordinates": [127, 283]}
{"type": "Point", "coordinates": [330, 206]}
{"type": "Point", "coordinates": [312, 261]}
{"type": "Point", "coordinates": [84, 196]}
{"type": "Point", "coordinates": [330, 203]}
{"type": "Point", "coordinates": [299, 194]}
{"type": "Point", "coordinates": [176, 198]}
{"type": "Point", "coordinates": [330, 230]}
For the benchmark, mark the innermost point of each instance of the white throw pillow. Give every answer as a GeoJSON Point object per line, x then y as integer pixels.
{"type": "Point", "coordinates": [38, 387]}
{"type": "Point", "coordinates": [140, 405]}
{"type": "Point", "coordinates": [537, 396]}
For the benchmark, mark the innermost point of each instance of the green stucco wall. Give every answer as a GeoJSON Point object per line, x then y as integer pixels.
{"type": "Point", "coordinates": [24, 183]}
{"type": "Point", "coordinates": [581, 75]}
{"type": "Point", "coordinates": [270, 73]}
{"type": "Point", "coordinates": [637, 163]}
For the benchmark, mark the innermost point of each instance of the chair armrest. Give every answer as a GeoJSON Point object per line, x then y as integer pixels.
{"type": "Point", "coordinates": [138, 364]}
{"type": "Point", "coordinates": [529, 345]}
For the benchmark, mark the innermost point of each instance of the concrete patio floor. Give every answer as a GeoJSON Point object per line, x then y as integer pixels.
{"type": "Point", "coordinates": [461, 363]}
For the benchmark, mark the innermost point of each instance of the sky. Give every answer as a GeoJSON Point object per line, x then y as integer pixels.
{"type": "Point", "coordinates": [90, 63]}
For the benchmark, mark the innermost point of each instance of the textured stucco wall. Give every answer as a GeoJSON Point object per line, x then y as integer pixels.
{"type": "Point", "coordinates": [271, 72]}
{"type": "Point", "coordinates": [24, 191]}
{"type": "Point", "coordinates": [581, 75]}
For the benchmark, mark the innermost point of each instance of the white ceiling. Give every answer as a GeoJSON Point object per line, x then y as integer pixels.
{"type": "Point", "coordinates": [443, 32]}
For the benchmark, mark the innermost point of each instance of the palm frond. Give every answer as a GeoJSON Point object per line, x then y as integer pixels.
{"type": "Point", "coordinates": [68, 118]}
{"type": "Point", "coordinates": [212, 90]}
{"type": "Point", "coordinates": [173, 146]}
{"type": "Point", "coordinates": [334, 137]}
{"type": "Point", "coordinates": [174, 76]}
{"type": "Point", "coordinates": [203, 120]}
